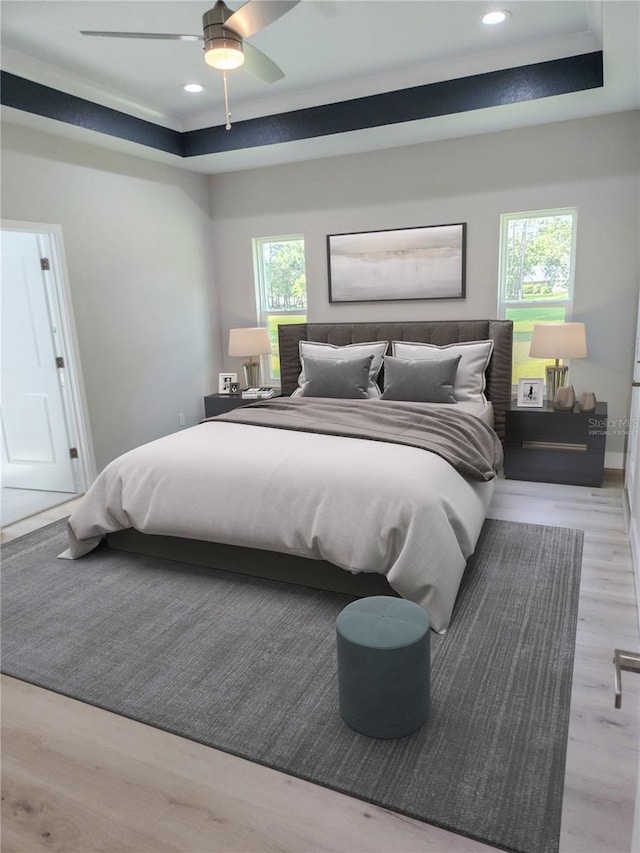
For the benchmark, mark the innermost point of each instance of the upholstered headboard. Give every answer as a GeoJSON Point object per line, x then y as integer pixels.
{"type": "Point", "coordinates": [440, 332]}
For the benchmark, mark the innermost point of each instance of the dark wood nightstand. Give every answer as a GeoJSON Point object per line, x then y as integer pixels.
{"type": "Point", "coordinates": [555, 447]}
{"type": "Point", "coordinates": [218, 404]}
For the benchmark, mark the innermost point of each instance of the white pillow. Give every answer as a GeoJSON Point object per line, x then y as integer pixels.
{"type": "Point", "coordinates": [469, 384]}
{"type": "Point", "coordinates": [377, 349]}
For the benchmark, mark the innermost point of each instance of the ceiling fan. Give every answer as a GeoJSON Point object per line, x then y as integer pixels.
{"type": "Point", "coordinates": [224, 34]}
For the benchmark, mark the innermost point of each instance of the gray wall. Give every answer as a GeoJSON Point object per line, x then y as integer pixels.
{"type": "Point", "coordinates": [138, 248]}
{"type": "Point", "coordinates": [592, 164]}
{"type": "Point", "coordinates": [146, 276]}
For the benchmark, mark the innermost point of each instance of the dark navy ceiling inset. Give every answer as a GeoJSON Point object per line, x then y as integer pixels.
{"type": "Point", "coordinates": [51, 103]}
{"type": "Point", "coordinates": [491, 89]}
{"type": "Point", "coordinates": [513, 85]}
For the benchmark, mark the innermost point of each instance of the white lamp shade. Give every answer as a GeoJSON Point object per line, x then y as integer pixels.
{"type": "Point", "coordinates": [558, 340]}
{"type": "Point", "coordinates": [253, 340]}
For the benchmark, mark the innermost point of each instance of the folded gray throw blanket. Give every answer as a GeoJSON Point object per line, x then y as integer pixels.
{"type": "Point", "coordinates": [464, 441]}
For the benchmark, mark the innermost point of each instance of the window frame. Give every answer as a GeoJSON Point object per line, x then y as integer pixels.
{"type": "Point", "coordinates": [565, 302]}
{"type": "Point", "coordinates": [263, 313]}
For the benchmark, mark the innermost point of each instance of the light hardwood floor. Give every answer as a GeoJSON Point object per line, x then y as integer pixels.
{"type": "Point", "coordinates": [76, 778]}
{"type": "Point", "coordinates": [18, 504]}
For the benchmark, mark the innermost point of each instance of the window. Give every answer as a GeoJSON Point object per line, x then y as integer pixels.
{"type": "Point", "coordinates": [537, 251]}
{"type": "Point", "coordinates": [281, 289]}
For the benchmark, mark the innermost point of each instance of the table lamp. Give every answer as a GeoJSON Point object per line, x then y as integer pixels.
{"type": "Point", "coordinates": [252, 341]}
{"type": "Point", "coordinates": [558, 340]}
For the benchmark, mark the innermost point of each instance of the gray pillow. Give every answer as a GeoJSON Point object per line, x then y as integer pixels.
{"type": "Point", "coordinates": [316, 349]}
{"type": "Point", "coordinates": [344, 378]}
{"type": "Point", "coordinates": [422, 381]}
{"type": "Point", "coordinates": [470, 379]}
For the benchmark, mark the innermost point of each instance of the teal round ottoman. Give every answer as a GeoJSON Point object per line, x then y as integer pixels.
{"type": "Point", "coordinates": [384, 664]}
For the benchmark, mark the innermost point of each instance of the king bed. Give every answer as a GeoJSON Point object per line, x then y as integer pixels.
{"type": "Point", "coordinates": [371, 474]}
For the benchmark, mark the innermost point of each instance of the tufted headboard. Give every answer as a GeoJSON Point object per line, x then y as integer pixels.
{"type": "Point", "coordinates": [440, 332]}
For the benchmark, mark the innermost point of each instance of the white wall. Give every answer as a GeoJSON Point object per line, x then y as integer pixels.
{"type": "Point", "coordinates": [138, 249]}
{"type": "Point", "coordinates": [144, 269]}
{"type": "Point", "coordinates": [592, 164]}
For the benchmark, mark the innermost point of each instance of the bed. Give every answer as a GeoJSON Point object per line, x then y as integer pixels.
{"type": "Point", "coordinates": [310, 490]}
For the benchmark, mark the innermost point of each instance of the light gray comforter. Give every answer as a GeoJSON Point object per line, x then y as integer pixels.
{"type": "Point", "coordinates": [364, 505]}
{"type": "Point", "coordinates": [464, 441]}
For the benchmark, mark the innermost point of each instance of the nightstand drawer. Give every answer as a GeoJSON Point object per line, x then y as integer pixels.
{"type": "Point", "coordinates": [555, 447]}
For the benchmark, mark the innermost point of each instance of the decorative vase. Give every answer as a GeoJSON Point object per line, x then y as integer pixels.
{"type": "Point", "coordinates": [556, 378]}
{"type": "Point", "coordinates": [587, 402]}
{"type": "Point", "coordinates": [251, 372]}
{"type": "Point", "coordinates": [565, 399]}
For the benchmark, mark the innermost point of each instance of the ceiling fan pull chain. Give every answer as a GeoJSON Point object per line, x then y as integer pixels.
{"type": "Point", "coordinates": [226, 101]}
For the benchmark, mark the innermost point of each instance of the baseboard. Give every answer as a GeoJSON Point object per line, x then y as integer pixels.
{"type": "Point", "coordinates": [614, 460]}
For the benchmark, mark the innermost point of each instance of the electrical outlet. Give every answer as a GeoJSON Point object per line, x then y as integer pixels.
{"type": "Point", "coordinates": [181, 419]}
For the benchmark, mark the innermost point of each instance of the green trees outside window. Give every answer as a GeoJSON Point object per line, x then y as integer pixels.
{"type": "Point", "coordinates": [281, 288]}
{"type": "Point", "coordinates": [537, 251]}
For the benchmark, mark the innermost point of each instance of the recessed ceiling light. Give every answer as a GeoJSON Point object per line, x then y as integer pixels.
{"type": "Point", "coordinates": [193, 87]}
{"type": "Point", "coordinates": [496, 17]}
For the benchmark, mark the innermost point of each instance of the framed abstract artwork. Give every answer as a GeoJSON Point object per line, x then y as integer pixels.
{"type": "Point", "coordinates": [401, 264]}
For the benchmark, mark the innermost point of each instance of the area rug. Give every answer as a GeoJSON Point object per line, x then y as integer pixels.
{"type": "Point", "coordinates": [248, 666]}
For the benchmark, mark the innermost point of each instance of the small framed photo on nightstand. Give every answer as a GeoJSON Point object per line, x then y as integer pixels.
{"type": "Point", "coordinates": [226, 383]}
{"type": "Point", "coordinates": [531, 392]}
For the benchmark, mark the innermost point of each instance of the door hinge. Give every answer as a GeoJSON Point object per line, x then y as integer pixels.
{"type": "Point", "coordinates": [44, 264]}
{"type": "Point", "coordinates": [59, 361]}
{"type": "Point", "coordinates": [73, 452]}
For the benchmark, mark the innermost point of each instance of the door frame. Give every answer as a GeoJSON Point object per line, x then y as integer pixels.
{"type": "Point", "coordinates": [66, 344]}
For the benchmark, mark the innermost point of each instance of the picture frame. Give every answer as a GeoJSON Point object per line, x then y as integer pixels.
{"type": "Point", "coordinates": [226, 381]}
{"type": "Point", "coordinates": [531, 392]}
{"type": "Point", "coordinates": [398, 265]}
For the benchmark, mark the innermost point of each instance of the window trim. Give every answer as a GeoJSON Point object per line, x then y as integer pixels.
{"type": "Point", "coordinates": [505, 218]}
{"type": "Point", "coordinates": [565, 302]}
{"type": "Point", "coordinates": [261, 296]}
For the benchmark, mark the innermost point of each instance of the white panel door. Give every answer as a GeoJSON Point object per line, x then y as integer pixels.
{"type": "Point", "coordinates": [35, 446]}
{"type": "Point", "coordinates": [633, 448]}
{"type": "Point", "coordinates": [633, 458]}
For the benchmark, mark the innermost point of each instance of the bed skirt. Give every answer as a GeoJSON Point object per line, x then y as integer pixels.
{"type": "Point", "coordinates": [251, 561]}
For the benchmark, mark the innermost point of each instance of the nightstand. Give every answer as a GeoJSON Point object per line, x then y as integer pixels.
{"type": "Point", "coordinates": [218, 404]}
{"type": "Point", "coordinates": [555, 447]}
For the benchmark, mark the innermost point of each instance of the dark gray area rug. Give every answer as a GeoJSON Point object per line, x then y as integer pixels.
{"type": "Point", "coordinates": [248, 666]}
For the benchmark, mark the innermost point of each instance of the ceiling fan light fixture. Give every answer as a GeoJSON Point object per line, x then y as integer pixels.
{"type": "Point", "coordinates": [223, 54]}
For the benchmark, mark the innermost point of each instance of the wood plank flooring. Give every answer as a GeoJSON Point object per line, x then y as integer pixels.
{"type": "Point", "coordinates": [18, 504]}
{"type": "Point", "coordinates": [75, 778]}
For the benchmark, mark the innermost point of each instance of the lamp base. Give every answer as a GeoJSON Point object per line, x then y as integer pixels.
{"type": "Point", "coordinates": [251, 370]}
{"type": "Point", "coordinates": [556, 378]}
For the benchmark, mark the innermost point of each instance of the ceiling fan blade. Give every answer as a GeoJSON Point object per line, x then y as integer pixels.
{"type": "Point", "coordinates": [166, 36]}
{"type": "Point", "coordinates": [259, 64]}
{"type": "Point", "coordinates": [257, 14]}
